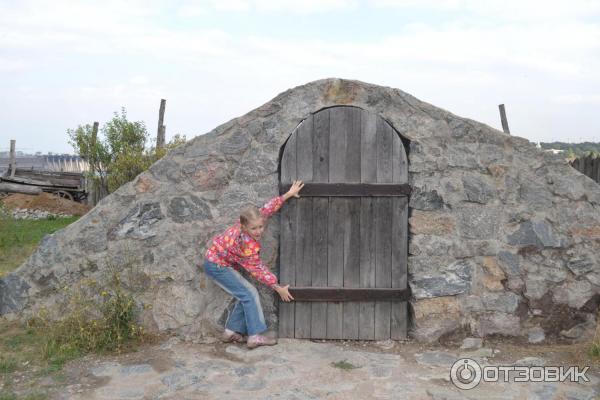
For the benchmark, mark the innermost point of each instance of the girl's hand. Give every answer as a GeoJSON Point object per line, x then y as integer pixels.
{"type": "Point", "coordinates": [293, 192]}
{"type": "Point", "coordinates": [284, 293]}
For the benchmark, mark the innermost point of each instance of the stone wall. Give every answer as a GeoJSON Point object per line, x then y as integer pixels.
{"type": "Point", "coordinates": [503, 238]}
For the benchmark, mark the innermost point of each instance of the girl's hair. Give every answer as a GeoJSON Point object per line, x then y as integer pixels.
{"type": "Point", "coordinates": [249, 213]}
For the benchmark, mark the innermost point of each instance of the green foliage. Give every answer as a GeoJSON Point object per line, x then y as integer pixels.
{"type": "Point", "coordinates": [31, 396]}
{"type": "Point", "coordinates": [7, 364]}
{"type": "Point", "coordinates": [127, 165]}
{"type": "Point", "coordinates": [121, 154]}
{"type": "Point", "coordinates": [576, 149]}
{"type": "Point", "coordinates": [344, 365]}
{"type": "Point", "coordinates": [20, 237]}
{"type": "Point", "coordinates": [95, 319]}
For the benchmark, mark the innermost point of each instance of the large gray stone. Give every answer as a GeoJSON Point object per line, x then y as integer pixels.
{"type": "Point", "coordinates": [536, 233]}
{"type": "Point", "coordinates": [504, 302]}
{"type": "Point", "coordinates": [13, 294]}
{"type": "Point", "coordinates": [580, 266]}
{"type": "Point", "coordinates": [477, 221]}
{"type": "Point", "coordinates": [449, 280]}
{"type": "Point", "coordinates": [575, 294]}
{"type": "Point", "coordinates": [426, 200]}
{"type": "Point", "coordinates": [477, 190]}
{"type": "Point", "coordinates": [509, 263]}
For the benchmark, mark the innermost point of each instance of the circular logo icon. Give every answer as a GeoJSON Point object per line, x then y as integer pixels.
{"type": "Point", "coordinates": [465, 374]}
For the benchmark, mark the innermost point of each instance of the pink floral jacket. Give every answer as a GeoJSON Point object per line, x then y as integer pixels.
{"type": "Point", "coordinates": [235, 248]}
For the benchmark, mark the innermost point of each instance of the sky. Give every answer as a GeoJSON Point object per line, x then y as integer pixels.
{"type": "Point", "coordinates": [66, 63]}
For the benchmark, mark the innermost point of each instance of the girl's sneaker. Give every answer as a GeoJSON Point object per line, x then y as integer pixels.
{"type": "Point", "coordinates": [260, 340]}
{"type": "Point", "coordinates": [234, 337]}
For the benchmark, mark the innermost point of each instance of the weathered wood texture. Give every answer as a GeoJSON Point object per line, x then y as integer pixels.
{"type": "Point", "coordinates": [313, 293]}
{"type": "Point", "coordinates": [348, 230]}
{"type": "Point", "coordinates": [17, 188]}
{"type": "Point", "coordinates": [160, 133]}
{"type": "Point", "coordinates": [13, 162]}
{"type": "Point", "coordinates": [589, 166]}
{"type": "Point", "coordinates": [350, 189]}
{"type": "Point", "coordinates": [503, 119]}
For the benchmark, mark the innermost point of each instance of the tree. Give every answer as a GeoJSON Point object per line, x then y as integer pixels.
{"type": "Point", "coordinates": [129, 164]}
{"type": "Point", "coordinates": [121, 154]}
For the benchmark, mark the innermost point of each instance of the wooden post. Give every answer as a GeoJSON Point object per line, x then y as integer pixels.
{"type": "Point", "coordinates": [503, 119]}
{"type": "Point", "coordinates": [93, 144]}
{"type": "Point", "coordinates": [13, 161]}
{"type": "Point", "coordinates": [160, 134]}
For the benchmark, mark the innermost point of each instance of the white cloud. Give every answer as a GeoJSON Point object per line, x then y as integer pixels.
{"type": "Point", "coordinates": [593, 99]}
{"type": "Point", "coordinates": [287, 6]}
{"type": "Point", "coordinates": [465, 64]}
{"type": "Point", "coordinates": [510, 10]}
{"type": "Point", "coordinates": [13, 65]}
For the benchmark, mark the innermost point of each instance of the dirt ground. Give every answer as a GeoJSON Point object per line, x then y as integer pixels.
{"type": "Point", "coordinates": [166, 367]}
{"type": "Point", "coordinates": [45, 202]}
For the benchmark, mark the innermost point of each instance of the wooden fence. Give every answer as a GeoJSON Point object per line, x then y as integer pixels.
{"type": "Point", "coordinates": [589, 166]}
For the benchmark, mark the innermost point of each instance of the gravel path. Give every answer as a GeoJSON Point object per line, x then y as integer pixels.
{"type": "Point", "coordinates": [298, 370]}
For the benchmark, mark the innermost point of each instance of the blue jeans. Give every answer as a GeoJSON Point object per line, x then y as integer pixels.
{"type": "Point", "coordinates": [247, 315]}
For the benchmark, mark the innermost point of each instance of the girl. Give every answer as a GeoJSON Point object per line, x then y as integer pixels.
{"type": "Point", "coordinates": [239, 247]}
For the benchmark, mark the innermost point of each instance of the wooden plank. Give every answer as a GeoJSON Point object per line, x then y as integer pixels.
{"type": "Point", "coordinates": [320, 217]}
{"type": "Point", "coordinates": [335, 265]}
{"type": "Point", "coordinates": [367, 267]}
{"type": "Point", "coordinates": [353, 144]}
{"type": "Point", "coordinates": [318, 325]}
{"type": "Point", "coordinates": [351, 189]}
{"type": "Point", "coordinates": [368, 140]}
{"type": "Point", "coordinates": [287, 241]}
{"type": "Point", "coordinates": [335, 238]}
{"type": "Point", "coordinates": [337, 145]}
{"type": "Point", "coordinates": [18, 188]}
{"type": "Point", "coordinates": [383, 269]}
{"type": "Point", "coordinates": [367, 226]}
{"type": "Point", "coordinates": [304, 264]}
{"type": "Point", "coordinates": [384, 151]}
{"type": "Point", "coordinates": [68, 175]}
{"type": "Point", "coordinates": [399, 161]}
{"type": "Point", "coordinates": [575, 164]}
{"type": "Point", "coordinates": [383, 228]}
{"type": "Point", "coordinates": [48, 180]}
{"type": "Point", "coordinates": [399, 265]}
{"type": "Point", "coordinates": [351, 265]}
{"type": "Point", "coordinates": [588, 166]}
{"type": "Point", "coordinates": [304, 230]}
{"type": "Point", "coordinates": [399, 320]}
{"type": "Point", "coordinates": [345, 294]}
{"type": "Point", "coordinates": [353, 157]}
{"type": "Point", "coordinates": [320, 142]}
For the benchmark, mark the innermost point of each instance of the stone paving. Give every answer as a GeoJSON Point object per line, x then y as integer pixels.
{"type": "Point", "coordinates": [298, 370]}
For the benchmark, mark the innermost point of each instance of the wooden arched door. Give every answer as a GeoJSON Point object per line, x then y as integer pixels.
{"type": "Point", "coordinates": [343, 244]}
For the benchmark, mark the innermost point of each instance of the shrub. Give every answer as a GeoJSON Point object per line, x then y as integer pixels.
{"type": "Point", "coordinates": [97, 319]}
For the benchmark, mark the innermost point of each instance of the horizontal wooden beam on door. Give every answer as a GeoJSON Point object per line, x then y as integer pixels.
{"type": "Point", "coordinates": [348, 294]}
{"type": "Point", "coordinates": [350, 189]}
